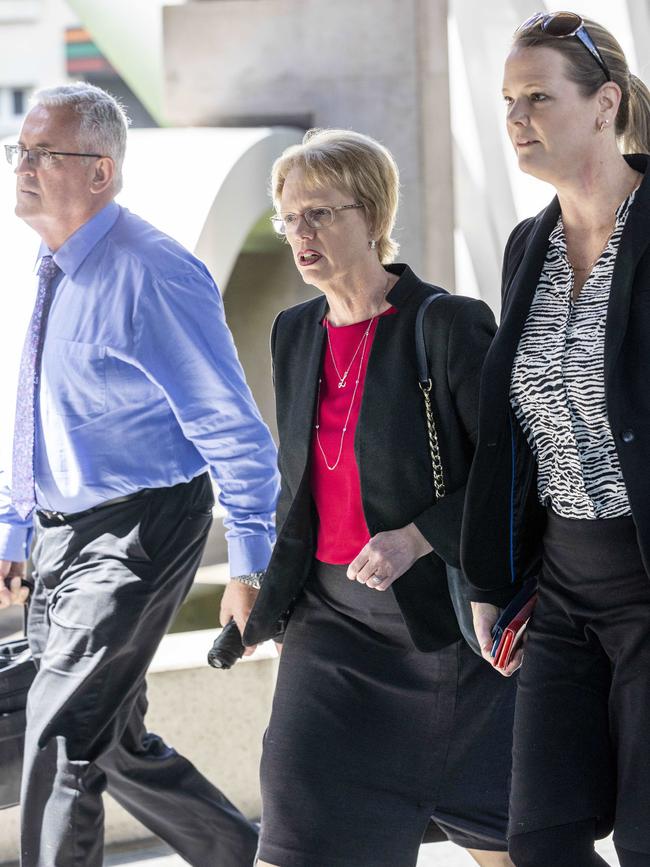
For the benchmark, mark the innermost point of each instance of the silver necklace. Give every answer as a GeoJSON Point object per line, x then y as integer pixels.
{"type": "Point", "coordinates": [587, 268]}
{"type": "Point", "coordinates": [611, 231]}
{"type": "Point", "coordinates": [363, 344]}
{"type": "Point", "coordinates": [343, 377]}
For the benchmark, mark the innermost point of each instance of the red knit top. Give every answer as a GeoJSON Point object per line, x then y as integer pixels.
{"type": "Point", "coordinates": [342, 528]}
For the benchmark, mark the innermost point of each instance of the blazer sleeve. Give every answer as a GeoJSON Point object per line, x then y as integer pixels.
{"type": "Point", "coordinates": [470, 335]}
{"type": "Point", "coordinates": [512, 256]}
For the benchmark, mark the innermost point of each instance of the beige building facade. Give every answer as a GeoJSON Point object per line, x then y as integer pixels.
{"type": "Point", "coordinates": [377, 66]}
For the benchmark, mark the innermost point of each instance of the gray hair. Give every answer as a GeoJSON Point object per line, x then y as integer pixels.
{"type": "Point", "coordinates": [102, 120]}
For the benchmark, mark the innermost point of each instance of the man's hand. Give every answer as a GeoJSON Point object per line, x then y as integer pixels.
{"type": "Point", "coordinates": [387, 556]}
{"type": "Point", "coordinates": [237, 603]}
{"type": "Point", "coordinates": [11, 577]}
{"type": "Point", "coordinates": [485, 616]}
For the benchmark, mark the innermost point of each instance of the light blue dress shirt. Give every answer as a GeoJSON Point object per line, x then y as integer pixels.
{"type": "Point", "coordinates": [141, 387]}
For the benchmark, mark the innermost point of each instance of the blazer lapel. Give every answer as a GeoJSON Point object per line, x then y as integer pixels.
{"type": "Point", "coordinates": [310, 345]}
{"type": "Point", "coordinates": [522, 280]}
{"type": "Point", "coordinates": [634, 242]}
{"type": "Point", "coordinates": [305, 380]}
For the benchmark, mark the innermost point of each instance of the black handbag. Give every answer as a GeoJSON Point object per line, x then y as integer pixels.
{"type": "Point", "coordinates": [17, 671]}
{"type": "Point", "coordinates": [459, 587]}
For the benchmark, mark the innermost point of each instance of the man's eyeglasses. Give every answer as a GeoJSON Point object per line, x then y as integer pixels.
{"type": "Point", "coordinates": [37, 157]}
{"type": "Point", "coordinates": [563, 25]}
{"type": "Point", "coordinates": [316, 218]}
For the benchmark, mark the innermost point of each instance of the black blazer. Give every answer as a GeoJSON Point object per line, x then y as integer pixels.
{"type": "Point", "coordinates": [504, 523]}
{"type": "Point", "coordinates": [391, 447]}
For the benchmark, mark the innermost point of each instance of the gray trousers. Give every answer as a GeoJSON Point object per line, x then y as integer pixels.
{"type": "Point", "coordinates": [107, 587]}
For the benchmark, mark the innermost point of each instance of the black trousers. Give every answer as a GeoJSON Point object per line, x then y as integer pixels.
{"type": "Point", "coordinates": [583, 704]}
{"type": "Point", "coordinates": [107, 587]}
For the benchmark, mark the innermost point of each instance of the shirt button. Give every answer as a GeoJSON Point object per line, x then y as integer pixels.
{"type": "Point", "coordinates": [627, 436]}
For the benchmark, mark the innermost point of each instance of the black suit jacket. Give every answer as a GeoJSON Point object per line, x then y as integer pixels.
{"type": "Point", "coordinates": [504, 523]}
{"type": "Point", "coordinates": [391, 447]}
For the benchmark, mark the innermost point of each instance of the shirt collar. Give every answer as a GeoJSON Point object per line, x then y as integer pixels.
{"type": "Point", "coordinates": [557, 238]}
{"type": "Point", "coordinates": [623, 209]}
{"type": "Point", "coordinates": [74, 251]}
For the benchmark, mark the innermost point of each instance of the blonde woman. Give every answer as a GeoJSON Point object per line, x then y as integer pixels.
{"type": "Point", "coordinates": [383, 716]}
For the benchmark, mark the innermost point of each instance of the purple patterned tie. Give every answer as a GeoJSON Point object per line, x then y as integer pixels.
{"type": "Point", "coordinates": [22, 486]}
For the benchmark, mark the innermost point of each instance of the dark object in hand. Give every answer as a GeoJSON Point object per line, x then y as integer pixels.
{"type": "Point", "coordinates": [17, 671]}
{"type": "Point", "coordinates": [227, 647]}
{"type": "Point", "coordinates": [508, 631]}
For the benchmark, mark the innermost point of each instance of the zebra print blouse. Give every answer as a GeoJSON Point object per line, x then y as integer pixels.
{"type": "Point", "coordinates": [557, 389]}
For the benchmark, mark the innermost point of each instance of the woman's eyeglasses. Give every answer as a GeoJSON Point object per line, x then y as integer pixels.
{"type": "Point", "coordinates": [316, 218]}
{"type": "Point", "coordinates": [563, 25]}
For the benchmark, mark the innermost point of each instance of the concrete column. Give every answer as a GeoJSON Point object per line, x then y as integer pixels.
{"type": "Point", "coordinates": [377, 66]}
{"type": "Point", "coordinates": [434, 132]}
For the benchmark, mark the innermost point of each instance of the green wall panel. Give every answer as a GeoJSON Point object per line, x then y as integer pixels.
{"type": "Point", "coordinates": [129, 34]}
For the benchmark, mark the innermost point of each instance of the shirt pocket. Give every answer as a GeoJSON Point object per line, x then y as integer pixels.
{"type": "Point", "coordinates": [75, 378]}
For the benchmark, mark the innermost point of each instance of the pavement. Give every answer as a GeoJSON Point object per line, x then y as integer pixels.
{"type": "Point", "coordinates": [155, 854]}
{"type": "Point", "coordinates": [431, 855]}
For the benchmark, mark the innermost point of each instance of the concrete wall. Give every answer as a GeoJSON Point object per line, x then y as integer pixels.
{"type": "Point", "coordinates": [378, 66]}
{"type": "Point", "coordinates": [262, 284]}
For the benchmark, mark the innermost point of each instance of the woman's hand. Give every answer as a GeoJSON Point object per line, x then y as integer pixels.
{"type": "Point", "coordinates": [485, 616]}
{"type": "Point", "coordinates": [387, 556]}
{"type": "Point", "coordinates": [237, 603]}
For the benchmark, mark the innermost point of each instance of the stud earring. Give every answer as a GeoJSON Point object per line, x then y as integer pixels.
{"type": "Point", "coordinates": [372, 244]}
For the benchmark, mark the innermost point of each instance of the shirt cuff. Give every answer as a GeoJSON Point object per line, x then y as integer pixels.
{"type": "Point", "coordinates": [248, 553]}
{"type": "Point", "coordinates": [15, 543]}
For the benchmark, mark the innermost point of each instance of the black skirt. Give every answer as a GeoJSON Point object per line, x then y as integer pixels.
{"type": "Point", "coordinates": [370, 737]}
{"type": "Point", "coordinates": [583, 708]}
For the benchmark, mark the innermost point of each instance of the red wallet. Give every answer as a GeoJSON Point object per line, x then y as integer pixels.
{"type": "Point", "coordinates": [513, 634]}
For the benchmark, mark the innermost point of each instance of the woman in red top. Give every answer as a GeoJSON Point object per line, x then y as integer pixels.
{"type": "Point", "coordinates": [382, 717]}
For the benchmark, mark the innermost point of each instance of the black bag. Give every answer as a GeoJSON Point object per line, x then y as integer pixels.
{"type": "Point", "coordinates": [17, 671]}
{"type": "Point", "coordinates": [459, 588]}
{"type": "Point", "coordinates": [227, 647]}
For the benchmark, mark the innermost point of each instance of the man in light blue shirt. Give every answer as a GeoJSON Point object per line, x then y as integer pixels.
{"type": "Point", "coordinates": [130, 392]}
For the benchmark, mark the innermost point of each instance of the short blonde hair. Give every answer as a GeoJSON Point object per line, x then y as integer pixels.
{"type": "Point", "coordinates": [354, 162]}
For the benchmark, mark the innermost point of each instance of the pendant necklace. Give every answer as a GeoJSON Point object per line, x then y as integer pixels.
{"type": "Point", "coordinates": [343, 377]}
{"type": "Point", "coordinates": [362, 346]}
{"type": "Point", "coordinates": [587, 268]}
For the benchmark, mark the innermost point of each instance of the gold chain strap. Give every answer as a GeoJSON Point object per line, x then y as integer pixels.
{"type": "Point", "coordinates": [434, 447]}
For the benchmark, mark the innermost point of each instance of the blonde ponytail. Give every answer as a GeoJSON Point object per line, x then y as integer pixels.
{"type": "Point", "coordinates": [636, 137]}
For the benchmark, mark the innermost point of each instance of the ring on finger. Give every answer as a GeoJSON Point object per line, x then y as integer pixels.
{"type": "Point", "coordinates": [377, 579]}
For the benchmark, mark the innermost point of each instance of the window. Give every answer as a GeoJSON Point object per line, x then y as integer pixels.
{"type": "Point", "coordinates": [18, 100]}
{"type": "Point", "coordinates": [13, 107]}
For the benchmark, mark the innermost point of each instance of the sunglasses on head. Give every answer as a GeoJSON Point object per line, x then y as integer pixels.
{"type": "Point", "coordinates": [563, 25]}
